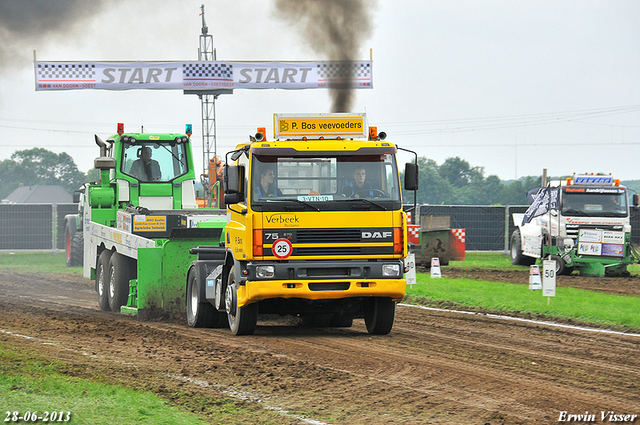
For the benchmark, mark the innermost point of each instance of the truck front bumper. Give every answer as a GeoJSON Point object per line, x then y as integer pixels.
{"type": "Point", "coordinates": [316, 280]}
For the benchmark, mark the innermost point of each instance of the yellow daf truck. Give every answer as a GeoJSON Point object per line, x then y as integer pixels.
{"type": "Point", "coordinates": [315, 228]}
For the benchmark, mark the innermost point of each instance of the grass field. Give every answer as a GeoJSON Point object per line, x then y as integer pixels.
{"type": "Point", "coordinates": [569, 304]}
{"type": "Point", "coordinates": [499, 261]}
{"type": "Point", "coordinates": [31, 384]}
{"type": "Point", "coordinates": [578, 305]}
{"type": "Point", "coordinates": [37, 261]}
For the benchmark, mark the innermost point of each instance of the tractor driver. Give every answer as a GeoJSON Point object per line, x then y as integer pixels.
{"type": "Point", "coordinates": [144, 168]}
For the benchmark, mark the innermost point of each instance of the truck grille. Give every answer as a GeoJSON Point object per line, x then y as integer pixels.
{"type": "Point", "coordinates": [332, 242]}
{"type": "Point", "coordinates": [327, 235]}
{"type": "Point", "coordinates": [344, 250]}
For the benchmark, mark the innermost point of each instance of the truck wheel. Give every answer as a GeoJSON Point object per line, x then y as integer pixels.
{"type": "Point", "coordinates": [77, 248]}
{"type": "Point", "coordinates": [379, 314]}
{"type": "Point", "coordinates": [517, 258]}
{"type": "Point", "coordinates": [120, 273]}
{"type": "Point", "coordinates": [242, 320]}
{"type": "Point", "coordinates": [200, 313]}
{"type": "Point", "coordinates": [561, 266]}
{"type": "Point", "coordinates": [102, 286]}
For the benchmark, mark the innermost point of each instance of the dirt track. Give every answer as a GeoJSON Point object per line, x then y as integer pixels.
{"type": "Point", "coordinates": [435, 367]}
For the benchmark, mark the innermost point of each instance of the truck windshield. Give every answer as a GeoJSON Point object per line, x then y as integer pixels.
{"type": "Point", "coordinates": [587, 202]}
{"type": "Point", "coordinates": [154, 162]}
{"type": "Point", "coordinates": [324, 182]}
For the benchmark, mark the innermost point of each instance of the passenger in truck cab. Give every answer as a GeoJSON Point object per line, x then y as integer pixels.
{"type": "Point", "coordinates": [266, 188]}
{"type": "Point", "coordinates": [358, 188]}
{"type": "Point", "coordinates": [144, 168]}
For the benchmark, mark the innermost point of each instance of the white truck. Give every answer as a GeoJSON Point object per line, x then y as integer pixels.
{"type": "Point", "coordinates": [583, 223]}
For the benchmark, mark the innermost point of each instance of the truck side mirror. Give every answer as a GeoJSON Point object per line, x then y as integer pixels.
{"type": "Point", "coordinates": [233, 183]}
{"type": "Point", "coordinates": [636, 200]}
{"type": "Point", "coordinates": [411, 176]}
{"type": "Point", "coordinates": [233, 198]}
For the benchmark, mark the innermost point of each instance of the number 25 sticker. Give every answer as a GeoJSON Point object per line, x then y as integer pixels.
{"type": "Point", "coordinates": [282, 248]}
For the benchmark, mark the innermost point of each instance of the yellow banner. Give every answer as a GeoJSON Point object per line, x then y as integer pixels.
{"type": "Point", "coordinates": [149, 223]}
{"type": "Point", "coordinates": [348, 125]}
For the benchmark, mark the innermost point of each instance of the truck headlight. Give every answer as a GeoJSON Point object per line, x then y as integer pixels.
{"type": "Point", "coordinates": [265, 272]}
{"type": "Point", "coordinates": [391, 270]}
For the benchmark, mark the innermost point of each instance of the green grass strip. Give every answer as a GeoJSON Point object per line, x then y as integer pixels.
{"type": "Point", "coordinates": [37, 261]}
{"type": "Point", "coordinates": [502, 261]}
{"type": "Point", "coordinates": [28, 384]}
{"type": "Point", "coordinates": [569, 303]}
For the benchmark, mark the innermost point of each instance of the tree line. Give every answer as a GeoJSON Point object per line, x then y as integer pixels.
{"type": "Point", "coordinates": [39, 166]}
{"type": "Point", "coordinates": [456, 182]}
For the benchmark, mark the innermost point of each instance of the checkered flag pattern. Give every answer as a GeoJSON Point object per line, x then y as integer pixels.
{"type": "Point", "coordinates": [344, 70]}
{"type": "Point", "coordinates": [413, 234]}
{"type": "Point", "coordinates": [66, 71]}
{"type": "Point", "coordinates": [207, 70]}
{"type": "Point", "coordinates": [459, 234]}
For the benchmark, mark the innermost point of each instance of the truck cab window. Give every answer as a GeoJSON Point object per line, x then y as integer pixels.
{"type": "Point", "coordinates": [326, 180]}
{"type": "Point", "coordinates": [154, 162]}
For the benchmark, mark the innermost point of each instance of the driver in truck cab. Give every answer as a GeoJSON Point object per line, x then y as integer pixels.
{"type": "Point", "coordinates": [144, 168]}
{"type": "Point", "coordinates": [359, 187]}
{"type": "Point", "coordinates": [266, 188]}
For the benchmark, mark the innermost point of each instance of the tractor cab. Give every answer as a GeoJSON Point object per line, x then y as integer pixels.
{"type": "Point", "coordinates": [154, 170]}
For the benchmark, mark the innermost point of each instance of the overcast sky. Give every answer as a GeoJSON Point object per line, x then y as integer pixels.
{"type": "Point", "coordinates": [511, 86]}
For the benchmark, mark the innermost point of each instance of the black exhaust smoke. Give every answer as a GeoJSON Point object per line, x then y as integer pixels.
{"type": "Point", "coordinates": [335, 29]}
{"type": "Point", "coordinates": [26, 25]}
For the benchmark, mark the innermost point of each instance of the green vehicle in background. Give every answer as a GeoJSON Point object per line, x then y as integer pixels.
{"type": "Point", "coordinates": [140, 222]}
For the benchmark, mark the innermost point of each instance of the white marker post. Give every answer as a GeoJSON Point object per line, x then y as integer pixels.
{"type": "Point", "coordinates": [435, 267]}
{"type": "Point", "coordinates": [549, 279]}
{"type": "Point", "coordinates": [534, 278]}
{"type": "Point", "coordinates": [410, 266]}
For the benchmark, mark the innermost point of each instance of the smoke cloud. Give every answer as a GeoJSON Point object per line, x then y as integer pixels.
{"type": "Point", "coordinates": [27, 24]}
{"type": "Point", "coordinates": [335, 29]}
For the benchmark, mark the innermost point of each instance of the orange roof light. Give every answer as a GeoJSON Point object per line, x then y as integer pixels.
{"type": "Point", "coordinates": [263, 130]}
{"type": "Point", "coordinates": [120, 128]}
{"type": "Point", "coordinates": [373, 133]}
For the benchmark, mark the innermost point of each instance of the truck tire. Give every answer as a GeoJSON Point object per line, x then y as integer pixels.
{"type": "Point", "coordinates": [102, 282]}
{"type": "Point", "coordinates": [517, 258]}
{"type": "Point", "coordinates": [242, 320]}
{"type": "Point", "coordinates": [200, 313]}
{"type": "Point", "coordinates": [379, 314]}
{"type": "Point", "coordinates": [69, 233]}
{"type": "Point", "coordinates": [561, 266]}
{"type": "Point", "coordinates": [120, 273]}
{"type": "Point", "coordinates": [77, 248]}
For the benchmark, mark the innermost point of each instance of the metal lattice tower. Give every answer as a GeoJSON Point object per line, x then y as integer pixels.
{"type": "Point", "coordinates": [206, 52]}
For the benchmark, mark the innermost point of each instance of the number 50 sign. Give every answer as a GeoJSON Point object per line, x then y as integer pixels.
{"type": "Point", "coordinates": [548, 278]}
